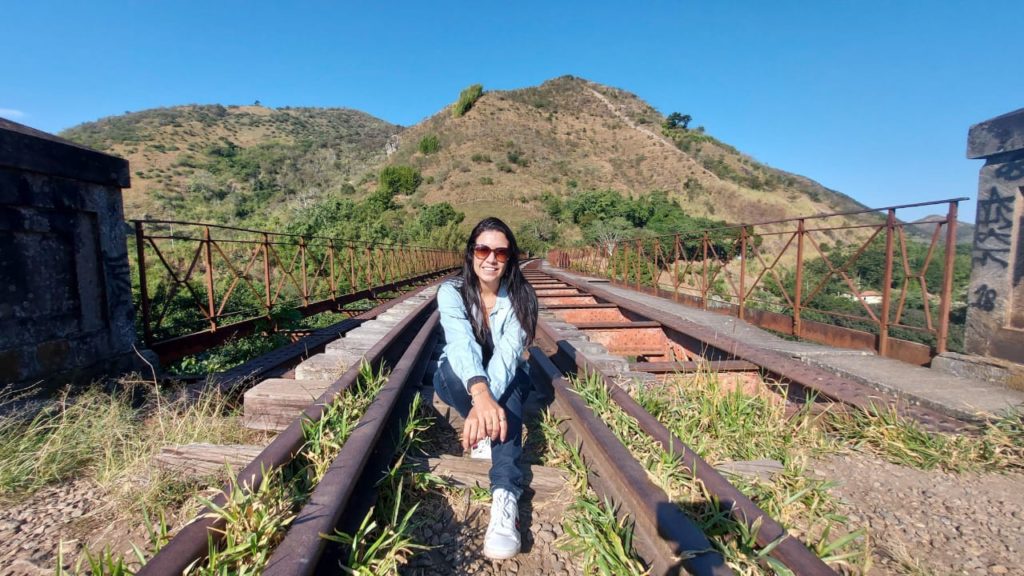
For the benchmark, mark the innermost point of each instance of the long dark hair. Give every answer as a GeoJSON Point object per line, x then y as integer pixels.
{"type": "Point", "coordinates": [524, 299]}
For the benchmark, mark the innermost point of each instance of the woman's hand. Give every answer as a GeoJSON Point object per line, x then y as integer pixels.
{"type": "Point", "coordinates": [485, 420]}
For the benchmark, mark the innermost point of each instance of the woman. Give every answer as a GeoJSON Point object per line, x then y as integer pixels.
{"type": "Point", "coordinates": [489, 316]}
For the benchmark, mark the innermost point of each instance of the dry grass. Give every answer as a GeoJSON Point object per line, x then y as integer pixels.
{"type": "Point", "coordinates": [723, 426]}
{"type": "Point", "coordinates": [109, 435]}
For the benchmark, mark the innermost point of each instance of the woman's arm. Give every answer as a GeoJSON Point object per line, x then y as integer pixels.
{"type": "Point", "coordinates": [461, 348]}
{"type": "Point", "coordinates": [507, 350]}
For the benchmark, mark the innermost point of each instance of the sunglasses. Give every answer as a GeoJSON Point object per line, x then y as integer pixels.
{"type": "Point", "coordinates": [482, 252]}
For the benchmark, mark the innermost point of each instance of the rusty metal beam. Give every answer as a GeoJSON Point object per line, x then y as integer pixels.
{"type": "Point", "coordinates": [579, 306]}
{"type": "Point", "coordinates": [663, 533]}
{"type": "Point", "coordinates": [299, 553]}
{"type": "Point", "coordinates": [174, 349]}
{"type": "Point", "coordinates": [690, 367]}
{"type": "Point", "coordinates": [790, 551]}
{"type": "Point", "coordinates": [277, 362]}
{"type": "Point", "coordinates": [618, 325]}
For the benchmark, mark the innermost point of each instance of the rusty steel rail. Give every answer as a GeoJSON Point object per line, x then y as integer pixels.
{"type": "Point", "coordinates": [567, 360]}
{"type": "Point", "coordinates": [191, 543]}
{"type": "Point", "coordinates": [300, 551]}
{"type": "Point", "coordinates": [277, 362]}
{"type": "Point", "coordinates": [174, 349]}
{"type": "Point", "coordinates": [747, 270]}
{"type": "Point", "coordinates": [666, 538]}
{"type": "Point", "coordinates": [789, 550]}
{"type": "Point", "coordinates": [200, 284]}
{"type": "Point", "coordinates": [825, 384]}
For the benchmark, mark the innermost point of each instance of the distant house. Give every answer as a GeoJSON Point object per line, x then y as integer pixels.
{"type": "Point", "coordinates": [868, 297]}
{"type": "Point", "coordinates": [871, 297]}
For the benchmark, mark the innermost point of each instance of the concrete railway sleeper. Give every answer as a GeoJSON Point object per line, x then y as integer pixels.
{"type": "Point", "coordinates": [398, 348]}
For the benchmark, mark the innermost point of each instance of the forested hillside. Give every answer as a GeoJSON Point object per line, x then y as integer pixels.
{"type": "Point", "coordinates": [238, 164]}
{"type": "Point", "coordinates": [527, 155]}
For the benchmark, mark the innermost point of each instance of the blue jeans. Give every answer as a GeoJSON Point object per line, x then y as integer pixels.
{"type": "Point", "coordinates": [505, 456]}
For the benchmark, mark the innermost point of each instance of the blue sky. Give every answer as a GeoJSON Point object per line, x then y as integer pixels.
{"type": "Point", "coordinates": [871, 98]}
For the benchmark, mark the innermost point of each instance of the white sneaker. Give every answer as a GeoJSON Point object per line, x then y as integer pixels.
{"type": "Point", "coordinates": [481, 449]}
{"type": "Point", "coordinates": [502, 538]}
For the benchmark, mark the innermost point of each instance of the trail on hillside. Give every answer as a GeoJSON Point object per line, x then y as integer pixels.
{"type": "Point", "coordinates": [650, 133]}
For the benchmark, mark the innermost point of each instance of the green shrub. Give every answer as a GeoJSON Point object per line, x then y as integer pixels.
{"type": "Point", "coordinates": [516, 157]}
{"type": "Point", "coordinates": [399, 179]}
{"type": "Point", "coordinates": [480, 158]}
{"type": "Point", "coordinates": [487, 181]}
{"type": "Point", "coordinates": [467, 98]}
{"type": "Point", "coordinates": [429, 144]}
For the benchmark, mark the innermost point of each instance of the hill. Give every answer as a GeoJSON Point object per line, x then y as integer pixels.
{"type": "Point", "coordinates": [237, 163]}
{"type": "Point", "coordinates": [509, 154]}
{"type": "Point", "coordinates": [570, 134]}
{"type": "Point", "coordinates": [924, 227]}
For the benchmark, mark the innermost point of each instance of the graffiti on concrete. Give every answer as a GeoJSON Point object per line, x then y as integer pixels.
{"type": "Point", "coordinates": [986, 298]}
{"type": "Point", "coordinates": [1011, 170]}
{"type": "Point", "coordinates": [993, 235]}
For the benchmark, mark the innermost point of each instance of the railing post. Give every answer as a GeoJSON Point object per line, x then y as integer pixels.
{"type": "Point", "coordinates": [704, 287]}
{"type": "Point", "coordinates": [637, 267]}
{"type": "Point", "coordinates": [330, 255]}
{"type": "Point", "coordinates": [883, 319]}
{"type": "Point", "coordinates": [799, 291]}
{"type": "Point", "coordinates": [305, 285]}
{"type": "Point", "coordinates": [369, 266]}
{"type": "Point", "coordinates": [351, 268]}
{"type": "Point", "coordinates": [378, 257]}
{"type": "Point", "coordinates": [208, 261]}
{"type": "Point", "coordinates": [743, 271]}
{"type": "Point", "coordinates": [268, 297]}
{"type": "Point", "coordinates": [675, 269]}
{"type": "Point", "coordinates": [140, 253]}
{"type": "Point", "coordinates": [947, 279]}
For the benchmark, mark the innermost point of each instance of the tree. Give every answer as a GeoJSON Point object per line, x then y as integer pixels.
{"type": "Point", "coordinates": [429, 144]}
{"type": "Point", "coordinates": [677, 120]}
{"type": "Point", "coordinates": [399, 179]}
{"type": "Point", "coordinates": [467, 98]}
{"type": "Point", "coordinates": [438, 215]}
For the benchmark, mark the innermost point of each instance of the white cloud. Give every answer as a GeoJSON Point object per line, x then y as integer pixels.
{"type": "Point", "coordinates": [11, 113]}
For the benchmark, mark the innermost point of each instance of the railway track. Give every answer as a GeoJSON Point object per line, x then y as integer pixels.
{"type": "Point", "coordinates": [398, 340]}
{"type": "Point", "coordinates": [620, 343]}
{"type": "Point", "coordinates": [661, 343]}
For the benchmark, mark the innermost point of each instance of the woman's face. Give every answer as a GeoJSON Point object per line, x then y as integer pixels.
{"type": "Point", "coordinates": [488, 269]}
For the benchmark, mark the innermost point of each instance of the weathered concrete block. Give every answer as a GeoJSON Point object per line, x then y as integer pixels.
{"type": "Point", "coordinates": [66, 307]}
{"type": "Point", "coordinates": [339, 349]}
{"type": "Point", "coordinates": [322, 367]}
{"type": "Point", "coordinates": [980, 368]}
{"type": "Point", "coordinates": [608, 363]}
{"type": "Point", "coordinates": [995, 317]}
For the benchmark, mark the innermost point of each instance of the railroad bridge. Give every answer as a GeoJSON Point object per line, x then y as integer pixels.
{"type": "Point", "coordinates": [630, 314]}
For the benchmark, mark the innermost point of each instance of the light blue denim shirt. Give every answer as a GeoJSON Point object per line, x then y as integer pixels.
{"type": "Point", "coordinates": [463, 351]}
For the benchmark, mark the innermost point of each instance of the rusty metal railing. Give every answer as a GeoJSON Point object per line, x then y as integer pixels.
{"type": "Point", "coordinates": [199, 284]}
{"type": "Point", "coordinates": [777, 275]}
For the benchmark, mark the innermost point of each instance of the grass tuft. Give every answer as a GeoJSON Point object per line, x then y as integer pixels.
{"type": "Point", "coordinates": [999, 445]}
{"type": "Point", "coordinates": [726, 426]}
{"type": "Point", "coordinates": [604, 542]}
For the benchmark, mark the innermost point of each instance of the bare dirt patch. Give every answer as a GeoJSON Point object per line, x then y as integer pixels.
{"type": "Point", "coordinates": [931, 522]}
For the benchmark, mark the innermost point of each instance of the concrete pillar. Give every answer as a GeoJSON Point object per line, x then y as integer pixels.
{"type": "Point", "coordinates": [66, 310]}
{"type": "Point", "coordinates": [995, 317]}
